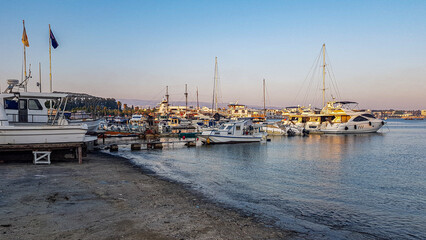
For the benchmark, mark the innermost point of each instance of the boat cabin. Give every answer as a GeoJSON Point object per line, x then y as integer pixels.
{"type": "Point", "coordinates": [29, 107]}
{"type": "Point", "coordinates": [238, 128]}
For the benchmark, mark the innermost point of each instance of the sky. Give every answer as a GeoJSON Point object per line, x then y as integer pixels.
{"type": "Point", "coordinates": [134, 49]}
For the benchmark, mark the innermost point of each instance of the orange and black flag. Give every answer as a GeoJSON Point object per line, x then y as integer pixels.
{"type": "Point", "coordinates": [24, 37]}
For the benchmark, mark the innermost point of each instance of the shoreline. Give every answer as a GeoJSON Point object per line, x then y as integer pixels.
{"type": "Point", "coordinates": [109, 197]}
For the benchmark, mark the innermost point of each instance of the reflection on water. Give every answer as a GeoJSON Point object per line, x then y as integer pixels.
{"type": "Point", "coordinates": [326, 186]}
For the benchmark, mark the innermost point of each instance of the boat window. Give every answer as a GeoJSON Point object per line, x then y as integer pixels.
{"type": "Point", "coordinates": [10, 104]}
{"type": "Point", "coordinates": [229, 128]}
{"type": "Point", "coordinates": [238, 127]}
{"type": "Point", "coordinates": [34, 104]}
{"type": "Point", "coordinates": [360, 119]}
{"type": "Point", "coordinates": [22, 104]}
{"type": "Point", "coordinates": [222, 127]}
{"type": "Point", "coordinates": [368, 115]}
{"type": "Point", "coordinates": [345, 118]}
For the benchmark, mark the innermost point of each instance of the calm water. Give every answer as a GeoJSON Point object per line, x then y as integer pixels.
{"type": "Point", "coordinates": [331, 186]}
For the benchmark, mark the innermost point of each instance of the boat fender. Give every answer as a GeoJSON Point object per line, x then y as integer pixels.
{"type": "Point", "coordinates": [354, 126]}
{"type": "Point", "coordinates": [346, 128]}
{"type": "Point", "coordinates": [383, 122]}
{"type": "Point", "coordinates": [183, 137]}
{"type": "Point", "coordinates": [369, 123]}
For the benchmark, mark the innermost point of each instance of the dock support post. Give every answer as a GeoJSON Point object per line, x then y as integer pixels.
{"type": "Point", "coordinates": [113, 148]}
{"type": "Point", "coordinates": [135, 146]}
{"type": "Point", "coordinates": [80, 154]}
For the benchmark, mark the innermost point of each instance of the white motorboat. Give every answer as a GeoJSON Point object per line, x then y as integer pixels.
{"type": "Point", "coordinates": [344, 120]}
{"type": "Point", "coordinates": [24, 119]}
{"type": "Point", "coordinates": [234, 132]}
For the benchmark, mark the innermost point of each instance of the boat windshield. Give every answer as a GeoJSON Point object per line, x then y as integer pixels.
{"type": "Point", "coordinates": [368, 115]}
{"type": "Point", "coordinates": [222, 127]}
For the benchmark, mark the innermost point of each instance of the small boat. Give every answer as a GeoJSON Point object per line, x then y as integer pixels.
{"type": "Point", "coordinates": [24, 119]}
{"type": "Point", "coordinates": [234, 132]}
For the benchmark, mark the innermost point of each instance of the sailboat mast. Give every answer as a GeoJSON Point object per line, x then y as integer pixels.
{"type": "Point", "coordinates": [214, 102]}
{"type": "Point", "coordinates": [323, 76]}
{"type": "Point", "coordinates": [198, 104]}
{"type": "Point", "coordinates": [264, 99]}
{"type": "Point", "coordinates": [216, 82]}
{"type": "Point", "coordinates": [186, 98]}
{"type": "Point", "coordinates": [167, 98]}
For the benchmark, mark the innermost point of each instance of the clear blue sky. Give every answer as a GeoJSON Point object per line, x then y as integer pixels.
{"type": "Point", "coordinates": [133, 49]}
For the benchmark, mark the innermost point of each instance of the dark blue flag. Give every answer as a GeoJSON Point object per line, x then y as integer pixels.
{"type": "Point", "coordinates": [53, 40]}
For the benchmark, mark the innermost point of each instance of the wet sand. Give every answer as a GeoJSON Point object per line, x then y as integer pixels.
{"type": "Point", "coordinates": [108, 198]}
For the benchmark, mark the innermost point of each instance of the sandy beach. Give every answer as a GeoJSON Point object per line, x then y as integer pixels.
{"type": "Point", "coordinates": [108, 198]}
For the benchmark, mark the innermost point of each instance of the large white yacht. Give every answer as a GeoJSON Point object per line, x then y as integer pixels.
{"type": "Point", "coordinates": [343, 120]}
{"type": "Point", "coordinates": [234, 132]}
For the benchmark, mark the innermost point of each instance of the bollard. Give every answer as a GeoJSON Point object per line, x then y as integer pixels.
{"type": "Point", "coordinates": [135, 146]}
{"type": "Point", "coordinates": [190, 144]}
{"type": "Point", "coordinates": [113, 148]}
{"type": "Point", "coordinates": [158, 146]}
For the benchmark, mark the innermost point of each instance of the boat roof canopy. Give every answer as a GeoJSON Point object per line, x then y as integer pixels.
{"type": "Point", "coordinates": [35, 95]}
{"type": "Point", "coordinates": [347, 102]}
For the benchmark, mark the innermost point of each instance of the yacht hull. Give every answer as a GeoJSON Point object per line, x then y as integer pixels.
{"type": "Point", "coordinates": [211, 139]}
{"type": "Point", "coordinates": [351, 128]}
{"type": "Point", "coordinates": [10, 135]}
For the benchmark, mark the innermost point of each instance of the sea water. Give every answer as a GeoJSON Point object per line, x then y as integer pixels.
{"type": "Point", "coordinates": [365, 186]}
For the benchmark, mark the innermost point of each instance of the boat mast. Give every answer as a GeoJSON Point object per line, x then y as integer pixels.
{"type": "Point", "coordinates": [323, 76]}
{"type": "Point", "coordinates": [167, 98]}
{"type": "Point", "coordinates": [264, 100]}
{"type": "Point", "coordinates": [186, 98]}
{"type": "Point", "coordinates": [214, 103]}
{"type": "Point", "coordinates": [198, 104]}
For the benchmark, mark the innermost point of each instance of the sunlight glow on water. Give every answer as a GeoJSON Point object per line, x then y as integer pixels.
{"type": "Point", "coordinates": [326, 186]}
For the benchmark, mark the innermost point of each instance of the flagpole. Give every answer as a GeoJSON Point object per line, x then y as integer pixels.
{"type": "Point", "coordinates": [50, 59]}
{"type": "Point", "coordinates": [25, 62]}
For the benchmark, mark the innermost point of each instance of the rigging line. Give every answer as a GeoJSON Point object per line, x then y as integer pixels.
{"type": "Point", "coordinates": [156, 95]}
{"type": "Point", "coordinates": [317, 96]}
{"type": "Point", "coordinates": [313, 79]}
{"type": "Point", "coordinates": [307, 76]}
{"type": "Point", "coordinates": [334, 77]}
{"type": "Point", "coordinates": [267, 96]}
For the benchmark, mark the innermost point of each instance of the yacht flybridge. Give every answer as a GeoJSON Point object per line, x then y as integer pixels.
{"type": "Point", "coordinates": [234, 132]}
{"type": "Point", "coordinates": [24, 118]}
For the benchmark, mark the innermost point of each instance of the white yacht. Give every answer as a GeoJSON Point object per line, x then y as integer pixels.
{"type": "Point", "coordinates": [234, 132]}
{"type": "Point", "coordinates": [344, 120]}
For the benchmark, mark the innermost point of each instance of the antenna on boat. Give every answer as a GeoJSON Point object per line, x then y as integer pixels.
{"type": "Point", "coordinates": [39, 75]}
{"type": "Point", "coordinates": [323, 76]}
